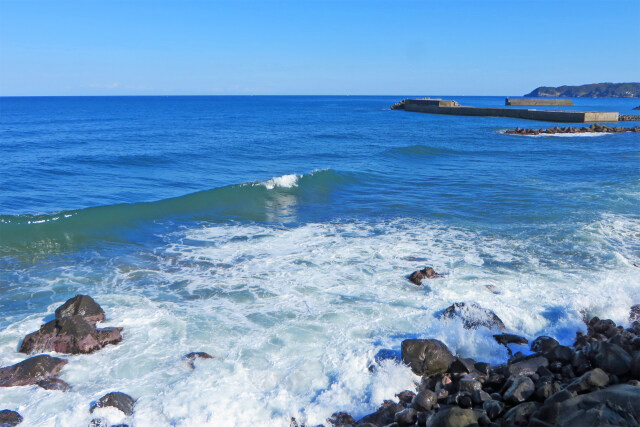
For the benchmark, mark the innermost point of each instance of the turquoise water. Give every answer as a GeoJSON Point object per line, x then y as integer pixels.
{"type": "Point", "coordinates": [275, 234]}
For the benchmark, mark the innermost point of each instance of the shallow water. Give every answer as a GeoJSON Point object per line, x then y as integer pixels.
{"type": "Point", "coordinates": [275, 233]}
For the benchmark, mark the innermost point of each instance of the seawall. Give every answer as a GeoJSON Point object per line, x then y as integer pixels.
{"type": "Point", "coordinates": [538, 101]}
{"type": "Point", "coordinates": [419, 106]}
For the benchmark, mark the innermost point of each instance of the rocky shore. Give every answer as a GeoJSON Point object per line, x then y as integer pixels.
{"type": "Point", "coordinates": [594, 128]}
{"type": "Point", "coordinates": [594, 382]}
{"type": "Point", "coordinates": [628, 117]}
{"type": "Point", "coordinates": [72, 331]}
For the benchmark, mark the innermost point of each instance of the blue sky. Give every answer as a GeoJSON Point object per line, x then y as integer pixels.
{"type": "Point", "coordinates": [456, 47]}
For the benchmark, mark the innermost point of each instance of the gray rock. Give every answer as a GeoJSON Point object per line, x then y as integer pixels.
{"type": "Point", "coordinates": [519, 415]}
{"type": "Point", "coordinates": [99, 422]}
{"type": "Point", "coordinates": [83, 306]}
{"type": "Point", "coordinates": [473, 316]}
{"type": "Point", "coordinates": [426, 273]}
{"type": "Point", "coordinates": [506, 339]}
{"type": "Point", "coordinates": [426, 357]}
{"type": "Point", "coordinates": [406, 396]}
{"type": "Point", "coordinates": [521, 389]}
{"type": "Point", "coordinates": [469, 385]}
{"type": "Point", "coordinates": [453, 417]}
{"type": "Point", "coordinates": [611, 358]}
{"type": "Point", "coordinates": [116, 399]}
{"type": "Point", "coordinates": [54, 384]}
{"type": "Point", "coordinates": [31, 371]}
{"type": "Point", "coordinates": [543, 344]}
{"type": "Point", "coordinates": [9, 418]}
{"type": "Point", "coordinates": [406, 418]}
{"type": "Point", "coordinates": [493, 408]}
{"type": "Point", "coordinates": [614, 405]}
{"type": "Point", "coordinates": [589, 380]}
{"type": "Point", "coordinates": [635, 366]}
{"type": "Point", "coordinates": [560, 353]}
{"type": "Point", "coordinates": [527, 366]}
{"type": "Point", "coordinates": [191, 357]}
{"type": "Point", "coordinates": [72, 335]}
{"type": "Point", "coordinates": [479, 397]}
{"type": "Point", "coordinates": [462, 366]}
{"type": "Point", "coordinates": [384, 415]}
{"type": "Point", "coordinates": [634, 313]}
{"type": "Point", "coordinates": [424, 400]}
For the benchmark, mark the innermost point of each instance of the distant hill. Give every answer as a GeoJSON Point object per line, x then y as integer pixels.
{"type": "Point", "coordinates": [595, 90]}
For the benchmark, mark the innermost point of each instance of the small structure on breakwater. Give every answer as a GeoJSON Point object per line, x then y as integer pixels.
{"type": "Point", "coordinates": [440, 106]}
{"type": "Point", "coordinates": [538, 101]}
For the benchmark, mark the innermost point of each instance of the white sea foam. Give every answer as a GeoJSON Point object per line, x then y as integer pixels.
{"type": "Point", "coordinates": [284, 181]}
{"type": "Point", "coordinates": [295, 316]}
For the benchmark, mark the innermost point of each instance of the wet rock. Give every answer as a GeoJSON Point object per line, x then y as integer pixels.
{"type": "Point", "coordinates": [634, 313]}
{"type": "Point", "coordinates": [560, 396]}
{"type": "Point", "coordinates": [527, 366]}
{"type": "Point", "coordinates": [191, 357]}
{"type": "Point", "coordinates": [9, 418]}
{"type": "Point", "coordinates": [520, 389]}
{"type": "Point", "coordinates": [478, 397]}
{"type": "Point", "coordinates": [31, 371]}
{"type": "Point", "coordinates": [406, 396]}
{"type": "Point", "coordinates": [73, 335]}
{"type": "Point", "coordinates": [614, 405]}
{"type": "Point", "coordinates": [83, 306]}
{"type": "Point", "coordinates": [99, 422]}
{"type": "Point", "coordinates": [543, 344]}
{"type": "Point", "coordinates": [546, 388]}
{"type": "Point", "coordinates": [473, 316]}
{"type": "Point", "coordinates": [635, 366]}
{"type": "Point", "coordinates": [116, 399]}
{"type": "Point", "coordinates": [54, 384]}
{"type": "Point", "coordinates": [589, 380]}
{"type": "Point", "coordinates": [469, 385]}
{"type": "Point", "coordinates": [519, 415]}
{"type": "Point", "coordinates": [493, 408]}
{"type": "Point", "coordinates": [407, 417]}
{"type": "Point", "coordinates": [426, 273]}
{"type": "Point", "coordinates": [462, 366]}
{"type": "Point", "coordinates": [426, 357]}
{"type": "Point", "coordinates": [560, 353]}
{"type": "Point", "coordinates": [493, 289]}
{"type": "Point", "coordinates": [384, 415]}
{"type": "Point", "coordinates": [454, 416]}
{"type": "Point", "coordinates": [463, 400]}
{"type": "Point", "coordinates": [424, 400]}
{"type": "Point", "coordinates": [611, 358]}
{"type": "Point", "coordinates": [506, 339]}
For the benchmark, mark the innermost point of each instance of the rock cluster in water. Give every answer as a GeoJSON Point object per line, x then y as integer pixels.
{"type": "Point", "coordinates": [594, 128]}
{"type": "Point", "coordinates": [72, 331]}
{"type": "Point", "coordinates": [594, 382]}
{"type": "Point", "coordinates": [628, 117]}
{"type": "Point", "coordinates": [398, 105]}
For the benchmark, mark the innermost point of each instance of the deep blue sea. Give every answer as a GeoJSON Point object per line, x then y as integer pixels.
{"type": "Point", "coordinates": [276, 233]}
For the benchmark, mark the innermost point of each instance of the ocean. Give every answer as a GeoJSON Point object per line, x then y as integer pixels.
{"type": "Point", "coordinates": [276, 234]}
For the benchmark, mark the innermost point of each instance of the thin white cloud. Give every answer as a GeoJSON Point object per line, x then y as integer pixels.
{"type": "Point", "coordinates": [104, 86]}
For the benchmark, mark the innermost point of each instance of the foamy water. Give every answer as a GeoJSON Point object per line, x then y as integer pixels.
{"type": "Point", "coordinates": [294, 316]}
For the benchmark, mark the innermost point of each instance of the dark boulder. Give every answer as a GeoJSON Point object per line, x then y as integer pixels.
{"type": "Point", "coordinates": [543, 344]}
{"type": "Point", "coordinates": [426, 273]}
{"type": "Point", "coordinates": [519, 415]}
{"type": "Point", "coordinates": [73, 335]}
{"type": "Point", "coordinates": [191, 357]}
{"type": "Point", "coordinates": [384, 415]}
{"type": "Point", "coordinates": [424, 400]}
{"type": "Point", "coordinates": [454, 416]}
{"type": "Point", "coordinates": [426, 357]}
{"type": "Point", "coordinates": [589, 380]}
{"type": "Point", "coordinates": [83, 306]}
{"type": "Point", "coordinates": [54, 384]}
{"type": "Point", "coordinates": [611, 358]}
{"type": "Point", "coordinates": [614, 405]}
{"type": "Point", "coordinates": [339, 419]}
{"type": "Point", "coordinates": [634, 313]}
{"type": "Point", "coordinates": [31, 371]}
{"type": "Point", "coordinates": [493, 408]}
{"type": "Point", "coordinates": [407, 417]}
{"type": "Point", "coordinates": [121, 401]}
{"type": "Point", "coordinates": [473, 316]}
{"type": "Point", "coordinates": [9, 418]}
{"type": "Point", "coordinates": [527, 366]}
{"type": "Point", "coordinates": [506, 339]}
{"type": "Point", "coordinates": [635, 366]}
{"type": "Point", "coordinates": [519, 389]}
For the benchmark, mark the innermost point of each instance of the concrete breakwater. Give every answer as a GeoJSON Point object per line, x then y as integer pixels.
{"type": "Point", "coordinates": [538, 101]}
{"type": "Point", "coordinates": [439, 106]}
